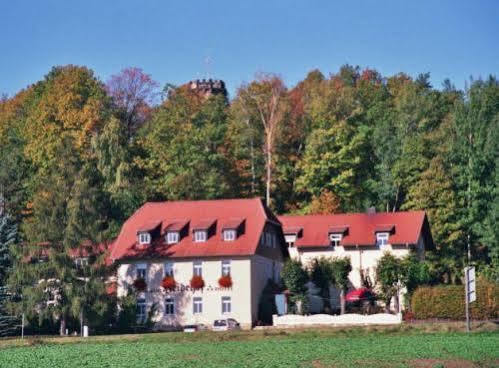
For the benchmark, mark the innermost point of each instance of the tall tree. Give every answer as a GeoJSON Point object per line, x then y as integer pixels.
{"type": "Point", "coordinates": [134, 93]}
{"type": "Point", "coordinates": [66, 214]}
{"type": "Point", "coordinates": [184, 148]}
{"type": "Point", "coordinates": [265, 98]}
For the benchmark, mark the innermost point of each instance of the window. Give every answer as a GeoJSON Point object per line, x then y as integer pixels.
{"type": "Point", "coordinates": [197, 268]}
{"type": "Point", "coordinates": [200, 236]}
{"type": "Point", "coordinates": [262, 239]}
{"type": "Point", "coordinates": [229, 235]}
{"type": "Point", "coordinates": [225, 268]}
{"type": "Point", "coordinates": [141, 270]}
{"type": "Point", "coordinates": [169, 306]}
{"type": "Point", "coordinates": [335, 239]}
{"type": "Point", "coordinates": [168, 268]}
{"type": "Point", "coordinates": [144, 238]}
{"type": "Point", "coordinates": [268, 239]}
{"type": "Point", "coordinates": [226, 305]}
{"type": "Point", "coordinates": [197, 305]}
{"type": "Point", "coordinates": [381, 239]}
{"type": "Point", "coordinates": [141, 309]}
{"type": "Point", "coordinates": [172, 237]}
{"type": "Point", "coordinates": [81, 262]}
{"type": "Point", "coordinates": [274, 240]}
{"type": "Point", "coordinates": [290, 239]}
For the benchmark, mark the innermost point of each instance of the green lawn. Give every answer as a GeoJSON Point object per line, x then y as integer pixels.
{"type": "Point", "coordinates": [369, 347]}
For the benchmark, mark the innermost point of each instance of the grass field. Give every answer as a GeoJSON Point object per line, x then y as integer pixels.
{"type": "Point", "coordinates": [403, 346]}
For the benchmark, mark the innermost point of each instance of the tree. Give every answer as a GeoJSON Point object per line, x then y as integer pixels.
{"type": "Point", "coordinates": [389, 275]}
{"type": "Point", "coordinates": [295, 278]}
{"type": "Point", "coordinates": [325, 204]}
{"type": "Point", "coordinates": [8, 235]}
{"type": "Point", "coordinates": [341, 268]}
{"type": "Point", "coordinates": [265, 98]}
{"type": "Point", "coordinates": [133, 92]}
{"type": "Point", "coordinates": [193, 163]}
{"type": "Point", "coordinates": [321, 274]}
{"type": "Point", "coordinates": [67, 214]}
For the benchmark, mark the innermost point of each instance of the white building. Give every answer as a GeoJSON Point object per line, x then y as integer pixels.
{"type": "Point", "coordinates": [240, 239]}
{"type": "Point", "coordinates": [363, 237]}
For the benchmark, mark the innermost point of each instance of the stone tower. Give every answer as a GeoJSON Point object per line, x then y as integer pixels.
{"type": "Point", "coordinates": [208, 87]}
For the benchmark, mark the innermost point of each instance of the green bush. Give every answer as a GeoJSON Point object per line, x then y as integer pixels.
{"type": "Point", "coordinates": [447, 302]}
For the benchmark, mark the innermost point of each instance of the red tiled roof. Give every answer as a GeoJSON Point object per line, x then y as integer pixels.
{"type": "Point", "coordinates": [204, 224]}
{"type": "Point", "coordinates": [148, 226]}
{"type": "Point", "coordinates": [338, 229]}
{"type": "Point", "coordinates": [233, 223]}
{"type": "Point", "coordinates": [361, 228]}
{"type": "Point", "coordinates": [176, 225]}
{"type": "Point", "coordinates": [384, 228]}
{"type": "Point", "coordinates": [292, 230]}
{"type": "Point", "coordinates": [196, 212]}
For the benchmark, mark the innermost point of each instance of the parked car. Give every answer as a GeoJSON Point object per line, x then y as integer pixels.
{"type": "Point", "coordinates": [226, 324]}
{"type": "Point", "coordinates": [194, 328]}
{"type": "Point", "coordinates": [361, 300]}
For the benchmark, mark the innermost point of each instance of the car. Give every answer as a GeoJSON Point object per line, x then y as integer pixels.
{"type": "Point", "coordinates": [226, 324]}
{"type": "Point", "coordinates": [194, 328]}
{"type": "Point", "coordinates": [362, 300]}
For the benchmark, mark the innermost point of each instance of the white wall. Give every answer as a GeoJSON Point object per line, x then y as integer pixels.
{"type": "Point", "coordinates": [240, 292]}
{"type": "Point", "coordinates": [262, 269]}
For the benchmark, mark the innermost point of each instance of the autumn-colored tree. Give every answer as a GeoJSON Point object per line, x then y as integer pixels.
{"type": "Point", "coordinates": [265, 99]}
{"type": "Point", "coordinates": [133, 92]}
{"type": "Point", "coordinates": [70, 103]}
{"type": "Point", "coordinates": [326, 203]}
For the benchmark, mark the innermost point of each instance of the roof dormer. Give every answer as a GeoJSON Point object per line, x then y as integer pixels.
{"type": "Point", "coordinates": [176, 231]}
{"type": "Point", "coordinates": [291, 234]}
{"type": "Point", "coordinates": [232, 229]}
{"type": "Point", "coordinates": [147, 232]}
{"type": "Point", "coordinates": [203, 230]}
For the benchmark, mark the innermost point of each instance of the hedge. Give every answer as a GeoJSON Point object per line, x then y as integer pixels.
{"type": "Point", "coordinates": [447, 302]}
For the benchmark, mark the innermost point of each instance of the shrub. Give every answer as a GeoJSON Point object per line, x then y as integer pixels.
{"type": "Point", "coordinates": [447, 302]}
{"type": "Point", "coordinates": [225, 281]}
{"type": "Point", "coordinates": [197, 282]}
{"type": "Point", "coordinates": [169, 283]}
{"type": "Point", "coordinates": [140, 284]}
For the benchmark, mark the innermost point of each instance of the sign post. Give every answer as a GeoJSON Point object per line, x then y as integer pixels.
{"type": "Point", "coordinates": [470, 292]}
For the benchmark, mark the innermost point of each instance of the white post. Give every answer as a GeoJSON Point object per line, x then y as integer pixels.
{"type": "Point", "coordinates": [467, 299]}
{"type": "Point", "coordinates": [22, 327]}
{"type": "Point", "coordinates": [85, 331]}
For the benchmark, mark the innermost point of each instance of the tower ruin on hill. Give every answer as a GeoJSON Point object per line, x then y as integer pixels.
{"type": "Point", "coordinates": [208, 87]}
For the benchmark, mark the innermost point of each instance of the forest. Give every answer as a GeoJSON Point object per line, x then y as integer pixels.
{"type": "Point", "coordinates": [79, 155]}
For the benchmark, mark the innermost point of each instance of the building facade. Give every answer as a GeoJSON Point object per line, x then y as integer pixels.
{"type": "Point", "coordinates": [188, 241]}
{"type": "Point", "coordinates": [362, 237]}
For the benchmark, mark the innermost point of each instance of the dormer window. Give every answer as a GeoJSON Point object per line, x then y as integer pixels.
{"type": "Point", "coordinates": [381, 239]}
{"type": "Point", "coordinates": [200, 236]}
{"type": "Point", "coordinates": [172, 237]}
{"type": "Point", "coordinates": [335, 239]}
{"type": "Point", "coordinates": [81, 262]}
{"type": "Point", "coordinates": [229, 235]}
{"type": "Point", "coordinates": [144, 238]}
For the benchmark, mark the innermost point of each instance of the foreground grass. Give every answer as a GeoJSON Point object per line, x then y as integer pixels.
{"type": "Point", "coordinates": [403, 346]}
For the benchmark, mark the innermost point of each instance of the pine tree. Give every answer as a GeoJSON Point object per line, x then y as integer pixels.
{"type": "Point", "coordinates": [8, 235]}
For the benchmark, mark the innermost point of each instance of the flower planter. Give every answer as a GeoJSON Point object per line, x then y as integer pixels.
{"type": "Point", "coordinates": [169, 283]}
{"type": "Point", "coordinates": [197, 282]}
{"type": "Point", "coordinates": [225, 281]}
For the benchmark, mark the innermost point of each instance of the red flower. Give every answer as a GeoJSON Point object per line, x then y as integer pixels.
{"type": "Point", "coordinates": [197, 282]}
{"type": "Point", "coordinates": [225, 281]}
{"type": "Point", "coordinates": [169, 283]}
{"type": "Point", "coordinates": [140, 284]}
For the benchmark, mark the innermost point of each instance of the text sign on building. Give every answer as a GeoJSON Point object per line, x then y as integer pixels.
{"type": "Point", "coordinates": [471, 284]}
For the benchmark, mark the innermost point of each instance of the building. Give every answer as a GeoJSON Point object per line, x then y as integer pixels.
{"type": "Point", "coordinates": [240, 239]}
{"type": "Point", "coordinates": [208, 87]}
{"type": "Point", "coordinates": [363, 237]}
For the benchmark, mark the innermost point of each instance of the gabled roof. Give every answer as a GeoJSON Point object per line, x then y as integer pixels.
{"type": "Point", "coordinates": [405, 228]}
{"type": "Point", "coordinates": [196, 213]}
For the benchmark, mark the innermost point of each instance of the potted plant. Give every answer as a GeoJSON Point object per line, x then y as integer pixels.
{"type": "Point", "coordinates": [197, 282]}
{"type": "Point", "coordinates": [169, 283]}
{"type": "Point", "coordinates": [225, 281]}
{"type": "Point", "coordinates": [140, 284]}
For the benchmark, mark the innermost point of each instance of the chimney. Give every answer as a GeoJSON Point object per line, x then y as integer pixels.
{"type": "Point", "coordinates": [371, 211]}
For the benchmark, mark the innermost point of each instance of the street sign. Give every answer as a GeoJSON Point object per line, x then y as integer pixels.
{"type": "Point", "coordinates": [470, 293]}
{"type": "Point", "coordinates": [471, 284]}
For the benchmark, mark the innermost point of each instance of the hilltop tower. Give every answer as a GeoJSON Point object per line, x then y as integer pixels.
{"type": "Point", "coordinates": [208, 87]}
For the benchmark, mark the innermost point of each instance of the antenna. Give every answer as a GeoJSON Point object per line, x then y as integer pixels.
{"type": "Point", "coordinates": [208, 61]}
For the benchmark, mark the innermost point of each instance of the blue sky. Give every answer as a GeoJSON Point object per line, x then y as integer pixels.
{"type": "Point", "coordinates": [171, 40]}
